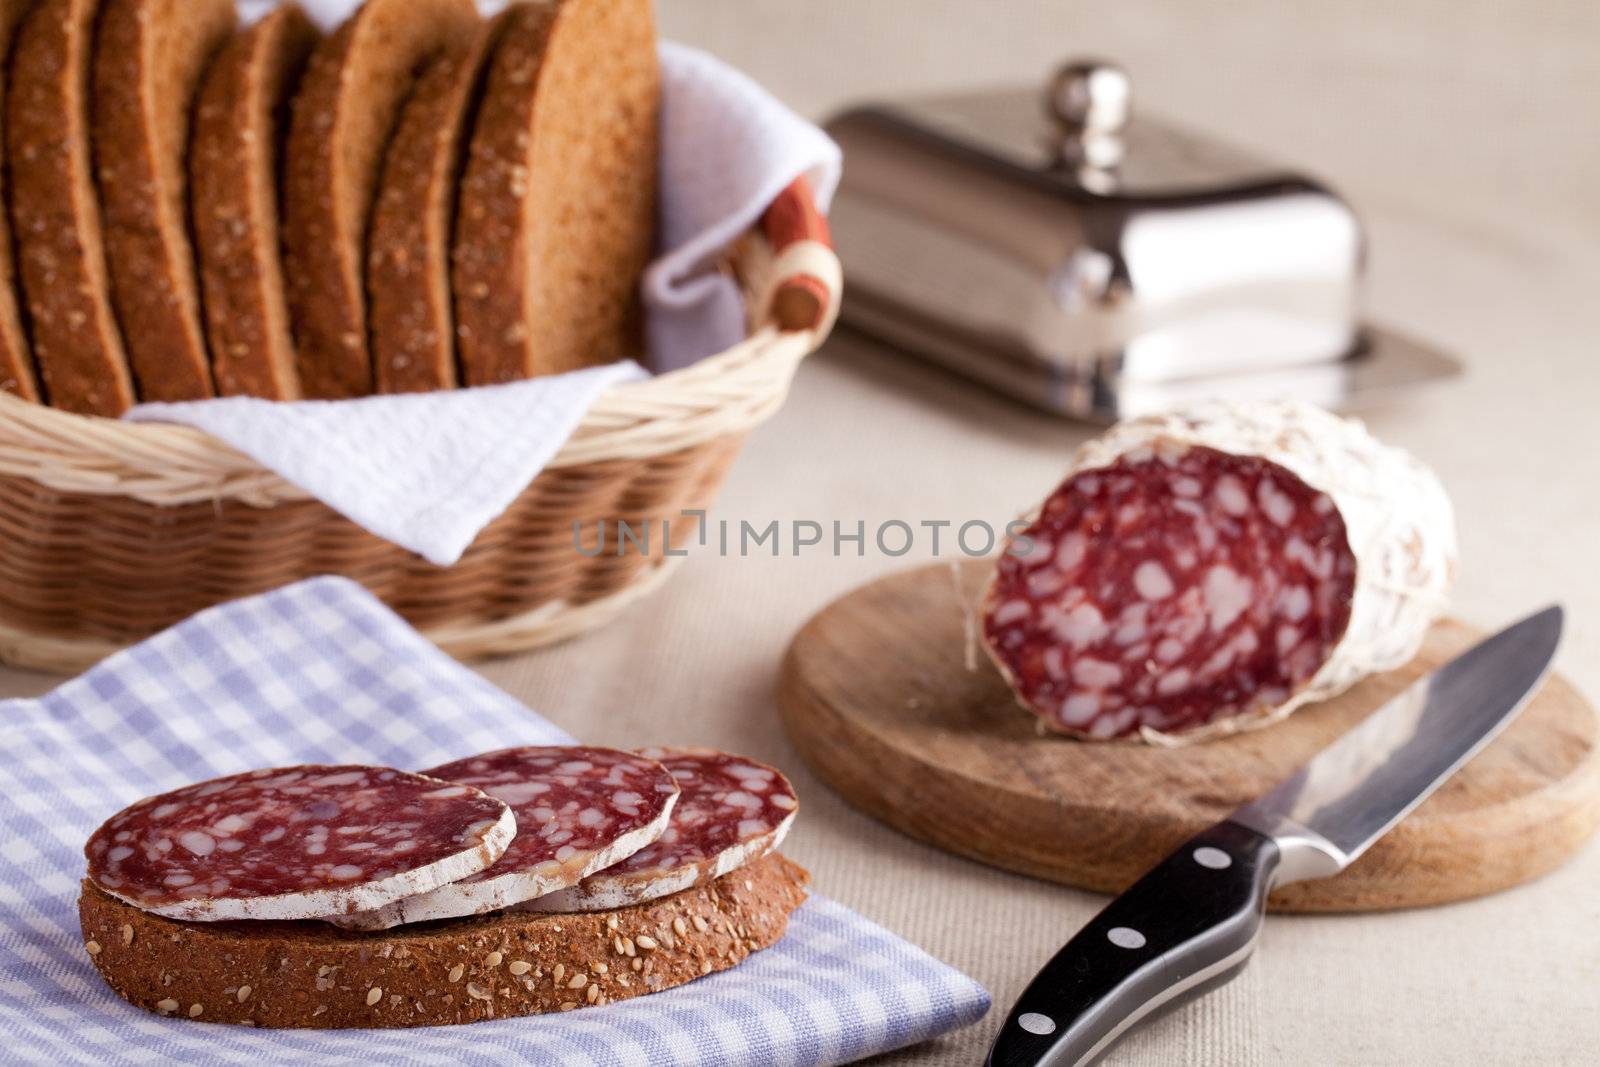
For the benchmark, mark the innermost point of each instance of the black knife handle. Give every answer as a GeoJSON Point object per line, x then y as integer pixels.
{"type": "Point", "coordinates": [1180, 931]}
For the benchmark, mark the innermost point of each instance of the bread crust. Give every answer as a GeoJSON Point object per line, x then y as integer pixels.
{"type": "Point", "coordinates": [240, 125]}
{"type": "Point", "coordinates": [344, 114]}
{"type": "Point", "coordinates": [314, 975]}
{"type": "Point", "coordinates": [148, 59]}
{"type": "Point", "coordinates": [408, 264]}
{"type": "Point", "coordinates": [558, 199]}
{"type": "Point", "coordinates": [17, 374]}
{"type": "Point", "coordinates": [55, 212]}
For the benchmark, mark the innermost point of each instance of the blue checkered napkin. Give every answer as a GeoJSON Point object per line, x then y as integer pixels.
{"type": "Point", "coordinates": [321, 672]}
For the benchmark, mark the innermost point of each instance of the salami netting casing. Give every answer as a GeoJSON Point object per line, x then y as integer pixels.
{"type": "Point", "coordinates": [1211, 569]}
{"type": "Point", "coordinates": [303, 842]}
{"type": "Point", "coordinates": [732, 811]}
{"type": "Point", "coordinates": [579, 809]}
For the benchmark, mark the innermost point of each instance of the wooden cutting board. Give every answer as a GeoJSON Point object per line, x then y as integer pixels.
{"type": "Point", "coordinates": [891, 703]}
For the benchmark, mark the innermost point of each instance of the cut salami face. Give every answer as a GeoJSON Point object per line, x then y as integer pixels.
{"type": "Point", "coordinates": [303, 842]}
{"type": "Point", "coordinates": [580, 809]}
{"type": "Point", "coordinates": [1212, 569]}
{"type": "Point", "coordinates": [732, 812]}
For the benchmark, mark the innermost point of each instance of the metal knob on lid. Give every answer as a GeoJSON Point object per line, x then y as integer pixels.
{"type": "Point", "coordinates": [1091, 101]}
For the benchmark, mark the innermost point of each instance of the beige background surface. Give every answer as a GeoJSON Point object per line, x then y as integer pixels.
{"type": "Point", "coordinates": [1469, 135]}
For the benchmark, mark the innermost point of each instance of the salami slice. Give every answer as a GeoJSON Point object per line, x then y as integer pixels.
{"type": "Point", "coordinates": [732, 812]}
{"type": "Point", "coordinates": [296, 843]}
{"type": "Point", "coordinates": [1211, 569]}
{"type": "Point", "coordinates": [581, 809]}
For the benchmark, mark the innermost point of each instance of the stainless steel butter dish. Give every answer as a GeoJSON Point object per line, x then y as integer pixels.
{"type": "Point", "coordinates": [1097, 265]}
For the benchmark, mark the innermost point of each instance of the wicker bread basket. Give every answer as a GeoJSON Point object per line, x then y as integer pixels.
{"type": "Point", "coordinates": [110, 530]}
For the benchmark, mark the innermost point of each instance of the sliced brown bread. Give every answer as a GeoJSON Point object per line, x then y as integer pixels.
{"type": "Point", "coordinates": [558, 199]}
{"type": "Point", "coordinates": [313, 974]}
{"type": "Point", "coordinates": [241, 121]}
{"type": "Point", "coordinates": [344, 113]}
{"type": "Point", "coordinates": [408, 261]}
{"type": "Point", "coordinates": [148, 58]}
{"type": "Point", "coordinates": [55, 212]}
{"type": "Point", "coordinates": [17, 375]}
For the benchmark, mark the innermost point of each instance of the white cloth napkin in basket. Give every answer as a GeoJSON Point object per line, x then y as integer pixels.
{"type": "Point", "coordinates": [429, 472]}
{"type": "Point", "coordinates": [321, 672]}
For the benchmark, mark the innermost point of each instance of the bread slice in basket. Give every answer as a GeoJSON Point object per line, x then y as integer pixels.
{"type": "Point", "coordinates": [148, 59]}
{"type": "Point", "coordinates": [344, 114]}
{"type": "Point", "coordinates": [239, 128]}
{"type": "Point", "coordinates": [55, 212]}
{"type": "Point", "coordinates": [557, 202]}
{"type": "Point", "coordinates": [408, 265]}
{"type": "Point", "coordinates": [17, 374]}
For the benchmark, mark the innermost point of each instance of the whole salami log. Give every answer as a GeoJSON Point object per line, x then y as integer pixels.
{"type": "Point", "coordinates": [1211, 569]}
{"type": "Point", "coordinates": [296, 843]}
{"type": "Point", "coordinates": [732, 812]}
{"type": "Point", "coordinates": [580, 809]}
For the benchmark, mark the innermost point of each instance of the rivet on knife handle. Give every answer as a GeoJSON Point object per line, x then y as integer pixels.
{"type": "Point", "coordinates": [1185, 927]}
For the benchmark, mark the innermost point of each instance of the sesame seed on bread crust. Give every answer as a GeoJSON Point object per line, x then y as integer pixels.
{"type": "Point", "coordinates": [148, 59]}
{"type": "Point", "coordinates": [55, 212]}
{"type": "Point", "coordinates": [313, 974]}
{"type": "Point", "coordinates": [240, 124]}
{"type": "Point", "coordinates": [557, 202]}
{"type": "Point", "coordinates": [344, 114]}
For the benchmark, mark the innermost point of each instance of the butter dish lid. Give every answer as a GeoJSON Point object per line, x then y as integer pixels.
{"type": "Point", "coordinates": [1053, 244]}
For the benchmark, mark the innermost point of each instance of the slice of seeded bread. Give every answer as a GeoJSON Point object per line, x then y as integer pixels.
{"type": "Point", "coordinates": [17, 374]}
{"type": "Point", "coordinates": [148, 58]}
{"type": "Point", "coordinates": [240, 124]}
{"type": "Point", "coordinates": [311, 974]}
{"type": "Point", "coordinates": [55, 212]}
{"type": "Point", "coordinates": [344, 114]}
{"type": "Point", "coordinates": [557, 202]}
{"type": "Point", "coordinates": [408, 265]}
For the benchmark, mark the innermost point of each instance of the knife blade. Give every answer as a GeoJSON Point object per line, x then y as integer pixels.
{"type": "Point", "coordinates": [1191, 923]}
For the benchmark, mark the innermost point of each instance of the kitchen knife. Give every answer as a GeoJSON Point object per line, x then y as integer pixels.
{"type": "Point", "coordinates": [1191, 923]}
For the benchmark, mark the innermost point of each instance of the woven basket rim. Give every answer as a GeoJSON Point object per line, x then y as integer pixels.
{"type": "Point", "coordinates": [167, 463]}
{"type": "Point", "coordinates": [621, 403]}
